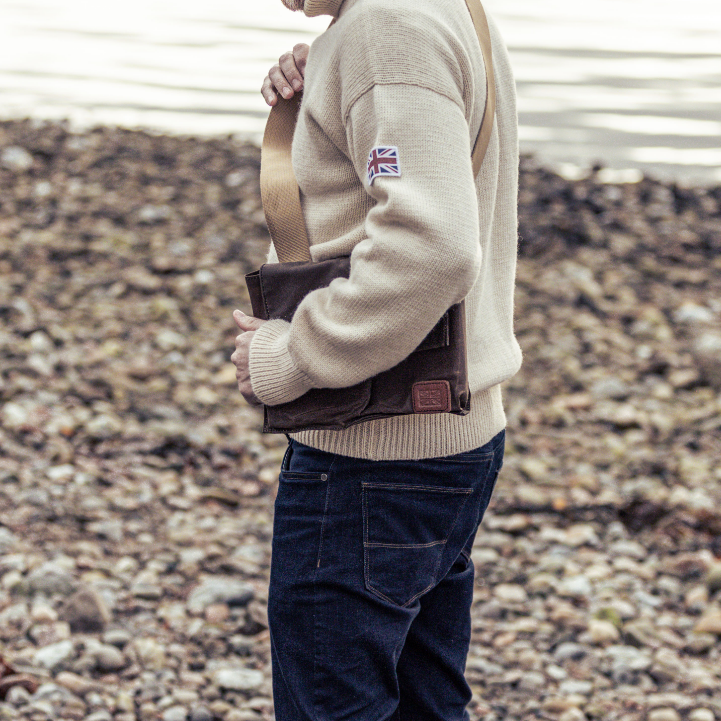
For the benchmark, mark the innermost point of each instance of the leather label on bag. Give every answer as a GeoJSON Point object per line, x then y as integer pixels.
{"type": "Point", "coordinates": [432, 397]}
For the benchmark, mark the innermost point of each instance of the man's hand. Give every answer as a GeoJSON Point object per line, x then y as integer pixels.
{"type": "Point", "coordinates": [241, 358]}
{"type": "Point", "coordinates": [287, 76]}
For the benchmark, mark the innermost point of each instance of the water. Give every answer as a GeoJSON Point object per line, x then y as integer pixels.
{"type": "Point", "coordinates": [631, 83]}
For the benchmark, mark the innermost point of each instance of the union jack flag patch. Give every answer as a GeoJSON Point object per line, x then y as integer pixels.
{"type": "Point", "coordinates": [383, 161]}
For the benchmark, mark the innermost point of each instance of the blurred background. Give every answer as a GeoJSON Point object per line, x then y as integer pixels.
{"type": "Point", "coordinates": [136, 489]}
{"type": "Point", "coordinates": [633, 84]}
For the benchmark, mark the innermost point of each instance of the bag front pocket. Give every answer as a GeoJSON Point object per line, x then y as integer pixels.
{"type": "Point", "coordinates": [405, 531]}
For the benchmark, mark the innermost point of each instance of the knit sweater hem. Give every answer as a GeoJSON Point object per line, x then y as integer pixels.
{"type": "Point", "coordinates": [414, 437]}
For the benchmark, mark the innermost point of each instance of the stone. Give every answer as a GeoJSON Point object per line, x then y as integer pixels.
{"type": "Point", "coordinates": [49, 578]}
{"type": "Point", "coordinates": [573, 714]}
{"type": "Point", "coordinates": [118, 637]}
{"type": "Point", "coordinates": [510, 593]}
{"type": "Point", "coordinates": [109, 658]}
{"type": "Point", "coordinates": [707, 352]}
{"type": "Point", "coordinates": [701, 714]}
{"type": "Point", "coordinates": [219, 590]}
{"type": "Point", "coordinates": [175, 713]}
{"type": "Point", "coordinates": [713, 578]}
{"type": "Point", "coordinates": [79, 685]}
{"type": "Point", "coordinates": [54, 655]}
{"type": "Point", "coordinates": [16, 158]}
{"type": "Point", "coordinates": [150, 652]}
{"type": "Point", "coordinates": [569, 651]}
{"type": "Point", "coordinates": [238, 679]}
{"type": "Point", "coordinates": [603, 632]}
{"type": "Point", "coordinates": [101, 715]}
{"type": "Point", "coordinates": [202, 713]}
{"type": "Point", "coordinates": [85, 611]}
{"type": "Point", "coordinates": [710, 622]}
{"type": "Point", "coordinates": [664, 714]}
{"type": "Point", "coordinates": [574, 587]}
{"type": "Point", "coordinates": [17, 696]}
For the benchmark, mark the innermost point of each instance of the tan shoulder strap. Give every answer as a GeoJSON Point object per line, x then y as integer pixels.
{"type": "Point", "coordinates": [278, 185]}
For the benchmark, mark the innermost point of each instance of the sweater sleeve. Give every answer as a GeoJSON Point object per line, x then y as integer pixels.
{"type": "Point", "coordinates": [421, 254]}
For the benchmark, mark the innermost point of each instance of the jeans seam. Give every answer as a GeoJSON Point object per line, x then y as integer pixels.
{"type": "Point", "coordinates": [325, 512]}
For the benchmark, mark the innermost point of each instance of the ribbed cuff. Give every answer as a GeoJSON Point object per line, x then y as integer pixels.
{"type": "Point", "coordinates": [273, 374]}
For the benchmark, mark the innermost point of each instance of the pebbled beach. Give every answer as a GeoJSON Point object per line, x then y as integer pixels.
{"type": "Point", "coordinates": [136, 490]}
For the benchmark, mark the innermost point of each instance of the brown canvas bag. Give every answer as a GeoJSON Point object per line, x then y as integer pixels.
{"type": "Point", "coordinates": [432, 379]}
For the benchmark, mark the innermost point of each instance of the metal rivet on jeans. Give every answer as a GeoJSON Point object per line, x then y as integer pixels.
{"type": "Point", "coordinates": [324, 477]}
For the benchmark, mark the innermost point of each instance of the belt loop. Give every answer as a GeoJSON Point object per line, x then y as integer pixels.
{"type": "Point", "coordinates": [285, 464]}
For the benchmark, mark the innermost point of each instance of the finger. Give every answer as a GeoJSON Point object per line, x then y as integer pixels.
{"type": "Point", "coordinates": [268, 93]}
{"type": "Point", "coordinates": [246, 322]}
{"type": "Point", "coordinates": [280, 83]}
{"type": "Point", "coordinates": [290, 70]}
{"type": "Point", "coordinates": [300, 53]}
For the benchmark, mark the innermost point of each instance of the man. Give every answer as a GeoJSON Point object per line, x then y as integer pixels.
{"type": "Point", "coordinates": [371, 578]}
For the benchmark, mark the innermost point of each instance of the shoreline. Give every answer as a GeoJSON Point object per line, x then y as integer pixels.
{"type": "Point", "coordinates": [136, 490]}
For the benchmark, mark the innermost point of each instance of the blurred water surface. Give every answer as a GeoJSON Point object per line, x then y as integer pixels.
{"type": "Point", "coordinates": [633, 83]}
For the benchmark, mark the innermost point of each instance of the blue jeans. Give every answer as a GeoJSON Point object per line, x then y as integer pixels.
{"type": "Point", "coordinates": [371, 584]}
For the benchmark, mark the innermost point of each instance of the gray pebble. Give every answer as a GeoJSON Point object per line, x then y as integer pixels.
{"type": "Point", "coordinates": [51, 578]}
{"type": "Point", "coordinates": [201, 713]}
{"type": "Point", "coordinates": [109, 658]}
{"type": "Point", "coordinates": [219, 590]}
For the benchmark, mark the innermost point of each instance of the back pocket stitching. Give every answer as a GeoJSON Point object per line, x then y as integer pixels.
{"type": "Point", "coordinates": [410, 487]}
{"type": "Point", "coordinates": [365, 486]}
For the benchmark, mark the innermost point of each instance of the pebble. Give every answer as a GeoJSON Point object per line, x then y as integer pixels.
{"type": "Point", "coordinates": [219, 590]}
{"type": "Point", "coordinates": [54, 655]}
{"type": "Point", "coordinates": [603, 632]}
{"type": "Point", "coordinates": [86, 611]}
{"type": "Point", "coordinates": [701, 714]}
{"type": "Point", "coordinates": [175, 713]}
{"type": "Point", "coordinates": [710, 622]}
{"type": "Point", "coordinates": [202, 713]}
{"type": "Point", "coordinates": [238, 679]}
{"type": "Point", "coordinates": [109, 658]}
{"type": "Point", "coordinates": [16, 158]}
{"type": "Point", "coordinates": [664, 714]}
{"type": "Point", "coordinates": [50, 579]}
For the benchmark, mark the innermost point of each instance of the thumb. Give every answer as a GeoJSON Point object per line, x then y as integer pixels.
{"type": "Point", "coordinates": [246, 322]}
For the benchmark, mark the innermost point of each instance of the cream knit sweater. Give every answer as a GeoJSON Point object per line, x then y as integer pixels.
{"type": "Point", "coordinates": [407, 74]}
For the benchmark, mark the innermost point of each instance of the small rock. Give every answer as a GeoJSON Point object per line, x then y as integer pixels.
{"type": "Point", "coordinates": [702, 714]}
{"type": "Point", "coordinates": [573, 686]}
{"type": "Point", "coordinates": [54, 655]}
{"type": "Point", "coordinates": [569, 651]}
{"type": "Point", "coordinates": [151, 654]}
{"type": "Point", "coordinates": [710, 622]}
{"type": "Point", "coordinates": [175, 713]}
{"type": "Point", "coordinates": [603, 632]}
{"type": "Point", "coordinates": [101, 715]}
{"type": "Point", "coordinates": [713, 578]}
{"type": "Point", "coordinates": [16, 158]}
{"type": "Point", "coordinates": [109, 658]}
{"type": "Point", "coordinates": [573, 714]}
{"type": "Point", "coordinates": [217, 613]}
{"type": "Point", "coordinates": [510, 593]}
{"type": "Point", "coordinates": [118, 637]}
{"type": "Point", "coordinates": [219, 590]}
{"type": "Point", "coordinates": [77, 684]}
{"type": "Point", "coordinates": [51, 578]}
{"type": "Point", "coordinates": [612, 388]}
{"type": "Point", "coordinates": [532, 681]}
{"type": "Point", "coordinates": [575, 587]}
{"type": "Point", "coordinates": [201, 713]}
{"type": "Point", "coordinates": [85, 611]}
{"type": "Point", "coordinates": [707, 352]}
{"type": "Point", "coordinates": [17, 696]}
{"type": "Point", "coordinates": [238, 679]}
{"type": "Point", "coordinates": [664, 714]}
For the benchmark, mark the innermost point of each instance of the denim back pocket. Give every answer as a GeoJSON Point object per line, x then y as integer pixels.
{"type": "Point", "coordinates": [405, 531]}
